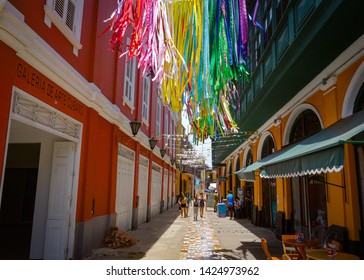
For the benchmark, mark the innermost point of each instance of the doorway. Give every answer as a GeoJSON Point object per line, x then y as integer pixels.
{"type": "Point", "coordinates": [18, 200]}
{"type": "Point", "coordinates": [26, 194]}
{"type": "Point", "coordinates": [309, 206]}
{"type": "Point", "coordinates": [360, 171]}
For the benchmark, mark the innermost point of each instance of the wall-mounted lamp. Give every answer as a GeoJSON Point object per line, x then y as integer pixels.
{"type": "Point", "coordinates": [134, 125]}
{"type": "Point", "coordinates": [152, 142]}
{"type": "Point", "coordinates": [163, 152]}
{"type": "Point", "coordinates": [277, 121]}
{"type": "Point", "coordinates": [173, 161]}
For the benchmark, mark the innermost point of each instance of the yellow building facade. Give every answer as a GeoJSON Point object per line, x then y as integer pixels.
{"type": "Point", "coordinates": [315, 201]}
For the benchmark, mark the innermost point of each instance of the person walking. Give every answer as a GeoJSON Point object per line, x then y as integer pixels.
{"type": "Point", "coordinates": [230, 203]}
{"type": "Point", "coordinates": [202, 205]}
{"type": "Point", "coordinates": [216, 201]}
{"type": "Point", "coordinates": [242, 207]}
{"type": "Point", "coordinates": [195, 207]}
{"type": "Point", "coordinates": [237, 207]}
{"type": "Point", "coordinates": [188, 203]}
{"type": "Point", "coordinates": [180, 205]}
{"type": "Point", "coordinates": [183, 206]}
{"type": "Point", "coordinates": [248, 204]}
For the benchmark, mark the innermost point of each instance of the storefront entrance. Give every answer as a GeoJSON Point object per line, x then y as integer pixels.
{"type": "Point", "coordinates": [309, 206]}
{"type": "Point", "coordinates": [38, 191]}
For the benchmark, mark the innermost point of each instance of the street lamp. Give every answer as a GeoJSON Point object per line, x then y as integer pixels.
{"type": "Point", "coordinates": [152, 143]}
{"type": "Point", "coordinates": [134, 125]}
{"type": "Point", "coordinates": [163, 152]}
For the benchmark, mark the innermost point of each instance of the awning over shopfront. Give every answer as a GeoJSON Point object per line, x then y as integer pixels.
{"type": "Point", "coordinates": [320, 153]}
{"type": "Point", "coordinates": [248, 173]}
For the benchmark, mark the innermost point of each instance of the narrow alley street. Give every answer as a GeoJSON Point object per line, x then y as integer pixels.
{"type": "Point", "coordinates": [170, 237]}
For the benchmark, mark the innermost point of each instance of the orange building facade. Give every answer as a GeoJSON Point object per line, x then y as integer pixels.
{"type": "Point", "coordinates": [70, 166]}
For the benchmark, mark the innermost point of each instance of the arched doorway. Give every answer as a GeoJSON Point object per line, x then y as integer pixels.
{"type": "Point", "coordinates": [308, 192]}
{"type": "Point", "coordinates": [359, 154]}
{"type": "Point", "coordinates": [248, 190]}
{"type": "Point", "coordinates": [269, 193]}
{"type": "Point", "coordinates": [229, 180]}
{"type": "Point", "coordinates": [236, 179]}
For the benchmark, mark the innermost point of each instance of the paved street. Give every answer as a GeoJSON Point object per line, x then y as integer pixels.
{"type": "Point", "coordinates": [171, 237]}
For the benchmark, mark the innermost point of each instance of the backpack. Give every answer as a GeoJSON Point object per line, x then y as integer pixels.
{"type": "Point", "coordinates": [195, 203]}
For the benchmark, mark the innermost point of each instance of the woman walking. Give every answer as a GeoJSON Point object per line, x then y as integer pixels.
{"type": "Point", "coordinates": [202, 205]}
{"type": "Point", "coordinates": [195, 207]}
{"type": "Point", "coordinates": [237, 208]}
{"type": "Point", "coordinates": [183, 200]}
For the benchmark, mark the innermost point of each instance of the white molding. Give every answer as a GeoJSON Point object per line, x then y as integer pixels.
{"type": "Point", "coordinates": [328, 83]}
{"type": "Point", "coordinates": [292, 118]}
{"type": "Point", "coordinates": [264, 136]}
{"type": "Point", "coordinates": [235, 160]}
{"type": "Point", "coordinates": [72, 36]}
{"type": "Point", "coordinates": [246, 152]}
{"type": "Point", "coordinates": [352, 92]}
{"type": "Point", "coordinates": [30, 47]}
{"type": "Point", "coordinates": [32, 111]}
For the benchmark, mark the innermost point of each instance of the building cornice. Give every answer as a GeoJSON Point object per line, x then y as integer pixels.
{"type": "Point", "coordinates": [30, 47]}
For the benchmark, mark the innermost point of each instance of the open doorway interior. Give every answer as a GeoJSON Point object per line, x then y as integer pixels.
{"type": "Point", "coordinates": [18, 200]}
{"type": "Point", "coordinates": [25, 191]}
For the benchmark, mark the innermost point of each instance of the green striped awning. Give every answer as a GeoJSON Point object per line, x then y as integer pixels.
{"type": "Point", "coordinates": [248, 173]}
{"type": "Point", "coordinates": [320, 153]}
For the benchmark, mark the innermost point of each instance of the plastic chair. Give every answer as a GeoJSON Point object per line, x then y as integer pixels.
{"type": "Point", "coordinates": [337, 245]}
{"type": "Point", "coordinates": [288, 249]}
{"type": "Point", "coordinates": [286, 257]}
{"type": "Point", "coordinates": [266, 250]}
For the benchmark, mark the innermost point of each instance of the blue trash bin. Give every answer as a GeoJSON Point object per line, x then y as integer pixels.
{"type": "Point", "coordinates": [221, 210]}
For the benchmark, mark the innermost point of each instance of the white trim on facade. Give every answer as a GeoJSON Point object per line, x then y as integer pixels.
{"type": "Point", "coordinates": [74, 35]}
{"type": "Point", "coordinates": [34, 112]}
{"type": "Point", "coordinates": [264, 136]}
{"type": "Point", "coordinates": [30, 47]}
{"type": "Point", "coordinates": [246, 152]}
{"type": "Point", "coordinates": [352, 91]}
{"type": "Point", "coordinates": [292, 118]}
{"type": "Point", "coordinates": [158, 118]}
{"type": "Point", "coordinates": [146, 100]}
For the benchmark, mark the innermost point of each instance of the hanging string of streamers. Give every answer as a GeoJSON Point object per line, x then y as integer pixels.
{"type": "Point", "coordinates": [196, 50]}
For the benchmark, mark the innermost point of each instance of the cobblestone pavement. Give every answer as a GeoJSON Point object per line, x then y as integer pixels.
{"type": "Point", "coordinates": [200, 241]}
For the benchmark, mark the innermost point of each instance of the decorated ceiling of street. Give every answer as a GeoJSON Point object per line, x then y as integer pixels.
{"type": "Point", "coordinates": [195, 50]}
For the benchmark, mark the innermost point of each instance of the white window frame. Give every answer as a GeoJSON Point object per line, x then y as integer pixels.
{"type": "Point", "coordinates": [129, 81]}
{"type": "Point", "coordinates": [158, 118]}
{"type": "Point", "coordinates": [146, 98]}
{"type": "Point", "coordinates": [73, 36]}
{"type": "Point", "coordinates": [166, 129]}
{"type": "Point", "coordinates": [171, 135]}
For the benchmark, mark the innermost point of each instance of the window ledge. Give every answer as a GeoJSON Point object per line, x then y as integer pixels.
{"type": "Point", "coordinates": [52, 17]}
{"type": "Point", "coordinates": [144, 121]}
{"type": "Point", "coordinates": [128, 103]}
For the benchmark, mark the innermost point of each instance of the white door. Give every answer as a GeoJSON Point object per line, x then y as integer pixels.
{"type": "Point", "coordinates": [156, 191]}
{"type": "Point", "coordinates": [124, 193]}
{"type": "Point", "coordinates": [143, 192]}
{"type": "Point", "coordinates": [59, 203]}
{"type": "Point", "coordinates": [165, 190]}
{"type": "Point", "coordinates": [170, 188]}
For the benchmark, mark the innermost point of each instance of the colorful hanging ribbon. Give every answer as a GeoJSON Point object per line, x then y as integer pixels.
{"type": "Point", "coordinates": [195, 51]}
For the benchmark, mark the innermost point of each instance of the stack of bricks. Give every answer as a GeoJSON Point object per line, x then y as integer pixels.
{"type": "Point", "coordinates": [118, 239]}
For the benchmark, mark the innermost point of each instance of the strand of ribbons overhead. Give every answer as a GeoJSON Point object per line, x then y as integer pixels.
{"type": "Point", "coordinates": [196, 50]}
